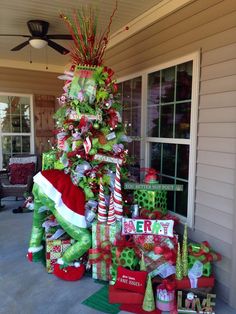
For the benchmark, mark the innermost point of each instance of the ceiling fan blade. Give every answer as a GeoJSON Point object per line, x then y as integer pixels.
{"type": "Point", "coordinates": [57, 47]}
{"type": "Point", "coordinates": [55, 36]}
{"type": "Point", "coordinates": [22, 45]}
{"type": "Point", "coordinates": [15, 35]}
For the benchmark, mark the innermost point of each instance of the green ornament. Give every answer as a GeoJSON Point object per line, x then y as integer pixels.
{"type": "Point", "coordinates": [179, 270]}
{"type": "Point", "coordinates": [96, 125]}
{"type": "Point", "coordinates": [185, 251]}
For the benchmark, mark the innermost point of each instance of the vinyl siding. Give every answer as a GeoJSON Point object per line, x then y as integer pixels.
{"type": "Point", "coordinates": [208, 26]}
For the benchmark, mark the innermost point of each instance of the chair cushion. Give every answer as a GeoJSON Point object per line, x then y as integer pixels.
{"type": "Point", "coordinates": [19, 172]}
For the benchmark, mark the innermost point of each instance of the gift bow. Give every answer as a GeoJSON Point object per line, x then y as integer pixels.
{"type": "Point", "coordinates": [169, 254]}
{"type": "Point", "coordinates": [204, 249]}
{"type": "Point", "coordinates": [168, 285]}
{"type": "Point", "coordinates": [147, 214]}
{"type": "Point", "coordinates": [122, 243]}
{"type": "Point", "coordinates": [102, 253]}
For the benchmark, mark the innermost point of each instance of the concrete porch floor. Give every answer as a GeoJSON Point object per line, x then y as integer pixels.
{"type": "Point", "coordinates": [26, 288]}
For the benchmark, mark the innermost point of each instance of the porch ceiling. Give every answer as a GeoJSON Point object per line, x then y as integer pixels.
{"type": "Point", "coordinates": [14, 15]}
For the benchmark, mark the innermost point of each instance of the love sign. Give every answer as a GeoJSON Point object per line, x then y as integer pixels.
{"type": "Point", "coordinates": [147, 226]}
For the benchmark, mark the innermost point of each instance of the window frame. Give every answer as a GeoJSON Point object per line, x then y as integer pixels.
{"type": "Point", "coordinates": [192, 141]}
{"type": "Point", "coordinates": [31, 134]}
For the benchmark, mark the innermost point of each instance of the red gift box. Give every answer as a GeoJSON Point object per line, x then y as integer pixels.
{"type": "Point", "coordinates": [202, 282]}
{"type": "Point", "coordinates": [124, 296]}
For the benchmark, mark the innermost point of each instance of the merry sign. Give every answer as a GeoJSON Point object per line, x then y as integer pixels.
{"type": "Point", "coordinates": [147, 226]}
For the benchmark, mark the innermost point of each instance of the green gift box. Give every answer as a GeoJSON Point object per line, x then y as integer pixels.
{"type": "Point", "coordinates": [100, 234]}
{"type": "Point", "coordinates": [125, 257]}
{"type": "Point", "coordinates": [152, 199]}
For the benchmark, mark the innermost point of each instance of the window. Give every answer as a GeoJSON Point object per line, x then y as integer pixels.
{"type": "Point", "coordinates": [130, 92]}
{"type": "Point", "coordinates": [168, 105]}
{"type": "Point", "coordinates": [16, 126]}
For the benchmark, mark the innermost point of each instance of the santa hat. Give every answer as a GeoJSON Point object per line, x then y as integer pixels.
{"type": "Point", "coordinates": [68, 198]}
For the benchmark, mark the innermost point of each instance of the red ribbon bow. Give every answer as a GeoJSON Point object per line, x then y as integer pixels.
{"type": "Point", "coordinates": [168, 284]}
{"type": "Point", "coordinates": [102, 253]}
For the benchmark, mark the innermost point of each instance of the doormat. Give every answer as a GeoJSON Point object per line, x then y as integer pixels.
{"type": "Point", "coordinates": [99, 301]}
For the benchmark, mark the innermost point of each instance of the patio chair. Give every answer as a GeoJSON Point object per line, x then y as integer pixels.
{"type": "Point", "coordinates": [18, 178]}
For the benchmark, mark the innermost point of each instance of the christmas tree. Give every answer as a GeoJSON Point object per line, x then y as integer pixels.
{"type": "Point", "coordinates": [179, 268]}
{"type": "Point", "coordinates": [90, 134]}
{"type": "Point", "coordinates": [142, 264]}
{"type": "Point", "coordinates": [185, 252]}
{"type": "Point", "coordinates": [148, 301]}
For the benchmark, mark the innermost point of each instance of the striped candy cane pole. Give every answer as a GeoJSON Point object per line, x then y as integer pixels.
{"type": "Point", "coordinates": [111, 212]}
{"type": "Point", "coordinates": [102, 211]}
{"type": "Point", "coordinates": [117, 195]}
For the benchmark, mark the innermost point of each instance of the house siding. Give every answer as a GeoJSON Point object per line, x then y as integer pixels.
{"type": "Point", "coordinates": [208, 26]}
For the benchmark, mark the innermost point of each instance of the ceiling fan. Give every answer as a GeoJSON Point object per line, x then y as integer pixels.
{"type": "Point", "coordinates": [39, 38]}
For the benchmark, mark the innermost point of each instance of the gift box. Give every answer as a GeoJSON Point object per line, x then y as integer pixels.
{"type": "Point", "coordinates": [165, 298]}
{"type": "Point", "coordinates": [122, 256]}
{"type": "Point", "coordinates": [55, 250]}
{"type": "Point", "coordinates": [124, 296]}
{"type": "Point", "coordinates": [202, 252]}
{"type": "Point", "coordinates": [103, 236]}
{"type": "Point", "coordinates": [161, 257]}
{"type": "Point", "coordinates": [152, 200]}
{"type": "Point", "coordinates": [201, 282]}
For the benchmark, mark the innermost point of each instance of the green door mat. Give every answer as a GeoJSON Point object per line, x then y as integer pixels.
{"type": "Point", "coordinates": [99, 301]}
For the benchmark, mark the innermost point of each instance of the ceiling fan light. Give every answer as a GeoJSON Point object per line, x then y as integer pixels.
{"type": "Point", "coordinates": [38, 43]}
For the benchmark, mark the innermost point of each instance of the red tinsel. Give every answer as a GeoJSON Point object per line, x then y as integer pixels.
{"type": "Point", "coordinates": [113, 118]}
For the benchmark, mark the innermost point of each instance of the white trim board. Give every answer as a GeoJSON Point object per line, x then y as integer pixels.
{"type": "Point", "coordinates": [156, 13]}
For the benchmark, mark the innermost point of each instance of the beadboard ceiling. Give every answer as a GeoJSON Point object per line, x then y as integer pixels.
{"type": "Point", "coordinates": [14, 15]}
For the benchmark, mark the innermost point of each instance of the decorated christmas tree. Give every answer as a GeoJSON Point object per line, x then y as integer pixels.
{"type": "Point", "coordinates": [90, 134]}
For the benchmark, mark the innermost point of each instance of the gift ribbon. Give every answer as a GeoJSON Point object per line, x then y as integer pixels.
{"type": "Point", "coordinates": [102, 253]}
{"type": "Point", "coordinates": [169, 254]}
{"type": "Point", "coordinates": [122, 243]}
{"type": "Point", "coordinates": [204, 249]}
{"type": "Point", "coordinates": [168, 284]}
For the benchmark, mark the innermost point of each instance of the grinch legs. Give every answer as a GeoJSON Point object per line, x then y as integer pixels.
{"type": "Point", "coordinates": [81, 235]}
{"type": "Point", "coordinates": [35, 251]}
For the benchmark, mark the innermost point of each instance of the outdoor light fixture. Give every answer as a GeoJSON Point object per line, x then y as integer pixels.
{"type": "Point", "coordinates": [38, 43]}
